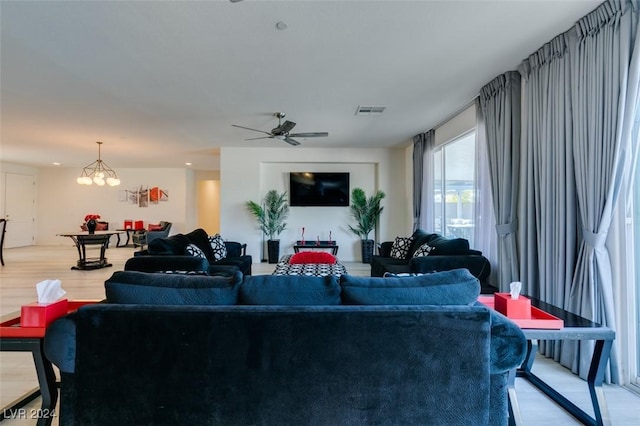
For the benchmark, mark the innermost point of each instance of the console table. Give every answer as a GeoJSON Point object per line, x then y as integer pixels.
{"type": "Point", "coordinates": [575, 328]}
{"type": "Point", "coordinates": [316, 245]}
{"type": "Point", "coordinates": [83, 239]}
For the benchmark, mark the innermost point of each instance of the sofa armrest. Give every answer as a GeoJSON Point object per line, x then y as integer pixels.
{"type": "Point", "coordinates": [60, 343]}
{"type": "Point", "coordinates": [162, 263]}
{"type": "Point", "coordinates": [479, 266]}
{"type": "Point", "coordinates": [235, 249]}
{"type": "Point", "coordinates": [508, 344]}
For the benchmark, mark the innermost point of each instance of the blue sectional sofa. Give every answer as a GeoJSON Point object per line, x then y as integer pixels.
{"type": "Point", "coordinates": [285, 350]}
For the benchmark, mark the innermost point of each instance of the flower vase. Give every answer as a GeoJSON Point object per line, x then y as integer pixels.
{"type": "Point", "coordinates": [91, 226]}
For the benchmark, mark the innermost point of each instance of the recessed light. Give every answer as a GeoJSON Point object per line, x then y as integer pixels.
{"type": "Point", "coordinates": [187, 164]}
{"type": "Point", "coordinates": [57, 164]}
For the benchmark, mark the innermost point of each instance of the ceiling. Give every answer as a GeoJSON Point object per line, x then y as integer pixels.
{"type": "Point", "coordinates": [161, 82]}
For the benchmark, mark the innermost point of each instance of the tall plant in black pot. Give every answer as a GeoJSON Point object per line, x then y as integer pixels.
{"type": "Point", "coordinates": [366, 212]}
{"type": "Point", "coordinates": [271, 218]}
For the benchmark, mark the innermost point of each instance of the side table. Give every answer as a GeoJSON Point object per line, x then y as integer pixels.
{"type": "Point", "coordinates": [14, 338]}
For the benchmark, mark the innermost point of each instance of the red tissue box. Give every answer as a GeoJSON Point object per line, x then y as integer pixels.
{"type": "Point", "coordinates": [512, 308]}
{"type": "Point", "coordinates": [128, 224]}
{"type": "Point", "coordinates": [138, 225]}
{"type": "Point", "coordinates": [42, 314]}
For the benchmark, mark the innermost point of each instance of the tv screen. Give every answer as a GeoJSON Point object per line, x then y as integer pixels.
{"type": "Point", "coordinates": [319, 189]}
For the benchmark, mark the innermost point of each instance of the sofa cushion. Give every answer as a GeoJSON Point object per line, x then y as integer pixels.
{"type": "Point", "coordinates": [173, 245]}
{"type": "Point", "coordinates": [400, 247]}
{"type": "Point", "coordinates": [172, 289]}
{"type": "Point", "coordinates": [446, 246]}
{"type": "Point", "coordinates": [312, 257]}
{"type": "Point", "coordinates": [194, 250]}
{"type": "Point", "coordinates": [218, 247]}
{"type": "Point", "coordinates": [456, 287]}
{"type": "Point", "coordinates": [292, 290]}
{"type": "Point", "coordinates": [423, 250]}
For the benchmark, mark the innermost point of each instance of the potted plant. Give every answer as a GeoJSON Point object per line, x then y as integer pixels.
{"type": "Point", "coordinates": [271, 219]}
{"type": "Point", "coordinates": [366, 212]}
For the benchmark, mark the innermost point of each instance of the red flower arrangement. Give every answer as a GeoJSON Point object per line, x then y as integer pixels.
{"type": "Point", "coordinates": [91, 216]}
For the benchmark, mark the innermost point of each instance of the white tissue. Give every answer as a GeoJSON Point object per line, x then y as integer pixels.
{"type": "Point", "coordinates": [49, 291]}
{"type": "Point", "coordinates": [516, 287]}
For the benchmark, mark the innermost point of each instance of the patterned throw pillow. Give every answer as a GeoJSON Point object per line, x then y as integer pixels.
{"type": "Point", "coordinates": [194, 250]}
{"type": "Point", "coordinates": [218, 247]}
{"type": "Point", "coordinates": [400, 247]}
{"type": "Point", "coordinates": [423, 250]}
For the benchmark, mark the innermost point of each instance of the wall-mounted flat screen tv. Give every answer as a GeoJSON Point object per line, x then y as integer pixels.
{"type": "Point", "coordinates": [319, 189]}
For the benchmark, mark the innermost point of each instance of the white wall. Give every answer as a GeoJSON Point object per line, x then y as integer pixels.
{"type": "Point", "coordinates": [248, 173]}
{"type": "Point", "coordinates": [62, 203]}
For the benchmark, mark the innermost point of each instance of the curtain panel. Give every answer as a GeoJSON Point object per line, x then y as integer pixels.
{"type": "Point", "coordinates": [423, 147]}
{"type": "Point", "coordinates": [500, 102]}
{"type": "Point", "coordinates": [581, 98]}
{"type": "Point", "coordinates": [603, 108]}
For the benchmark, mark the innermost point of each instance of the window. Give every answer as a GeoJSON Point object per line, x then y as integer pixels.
{"type": "Point", "coordinates": [454, 188]}
{"type": "Point", "coordinates": [634, 221]}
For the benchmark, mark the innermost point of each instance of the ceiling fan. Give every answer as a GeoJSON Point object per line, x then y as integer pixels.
{"type": "Point", "coordinates": [282, 131]}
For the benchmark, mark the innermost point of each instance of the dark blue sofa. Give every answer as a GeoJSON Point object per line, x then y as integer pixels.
{"type": "Point", "coordinates": [168, 254]}
{"type": "Point", "coordinates": [285, 350]}
{"type": "Point", "coordinates": [447, 254]}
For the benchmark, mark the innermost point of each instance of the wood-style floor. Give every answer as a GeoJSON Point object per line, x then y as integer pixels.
{"type": "Point", "coordinates": [24, 267]}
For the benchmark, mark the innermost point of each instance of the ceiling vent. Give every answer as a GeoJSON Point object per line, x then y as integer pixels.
{"type": "Point", "coordinates": [369, 110]}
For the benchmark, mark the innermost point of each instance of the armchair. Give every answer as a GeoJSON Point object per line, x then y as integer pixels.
{"type": "Point", "coordinates": [144, 237]}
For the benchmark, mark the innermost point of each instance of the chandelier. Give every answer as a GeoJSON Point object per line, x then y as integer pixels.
{"type": "Point", "coordinates": [98, 172]}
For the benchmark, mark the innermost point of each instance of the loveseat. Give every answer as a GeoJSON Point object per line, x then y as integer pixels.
{"type": "Point", "coordinates": [441, 254]}
{"type": "Point", "coordinates": [285, 350]}
{"type": "Point", "coordinates": [177, 253]}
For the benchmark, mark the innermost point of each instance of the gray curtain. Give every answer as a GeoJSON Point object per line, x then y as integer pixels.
{"type": "Point", "coordinates": [423, 145]}
{"type": "Point", "coordinates": [500, 101]}
{"type": "Point", "coordinates": [548, 231]}
{"type": "Point", "coordinates": [604, 105]}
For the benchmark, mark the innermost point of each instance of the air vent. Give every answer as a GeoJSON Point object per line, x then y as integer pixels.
{"type": "Point", "coordinates": [369, 110]}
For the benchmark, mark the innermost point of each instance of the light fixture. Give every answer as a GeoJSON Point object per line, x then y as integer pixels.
{"type": "Point", "coordinates": [98, 172]}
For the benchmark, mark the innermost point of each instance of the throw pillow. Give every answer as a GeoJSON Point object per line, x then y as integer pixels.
{"type": "Point", "coordinates": [455, 287]}
{"type": "Point", "coordinates": [423, 250]}
{"type": "Point", "coordinates": [400, 247]}
{"type": "Point", "coordinates": [312, 257]}
{"type": "Point", "coordinates": [218, 247]}
{"type": "Point", "coordinates": [194, 250]}
{"type": "Point", "coordinates": [152, 227]}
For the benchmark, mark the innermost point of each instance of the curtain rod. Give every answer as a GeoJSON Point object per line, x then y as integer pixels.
{"type": "Point", "coordinates": [458, 111]}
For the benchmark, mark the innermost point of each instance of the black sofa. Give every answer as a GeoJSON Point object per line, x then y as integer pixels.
{"type": "Point", "coordinates": [285, 350]}
{"type": "Point", "coordinates": [447, 254]}
{"type": "Point", "coordinates": [169, 255]}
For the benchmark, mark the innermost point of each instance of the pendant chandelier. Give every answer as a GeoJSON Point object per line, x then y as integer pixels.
{"type": "Point", "coordinates": [98, 172]}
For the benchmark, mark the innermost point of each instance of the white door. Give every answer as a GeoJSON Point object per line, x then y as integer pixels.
{"type": "Point", "coordinates": [20, 198]}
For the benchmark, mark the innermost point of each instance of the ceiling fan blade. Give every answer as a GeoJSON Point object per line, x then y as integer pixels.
{"type": "Point", "coordinates": [284, 128]}
{"type": "Point", "coordinates": [261, 137]}
{"type": "Point", "coordinates": [291, 141]}
{"type": "Point", "coordinates": [310, 135]}
{"type": "Point", "coordinates": [249, 128]}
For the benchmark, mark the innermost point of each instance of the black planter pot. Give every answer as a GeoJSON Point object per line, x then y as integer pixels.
{"type": "Point", "coordinates": [91, 226]}
{"type": "Point", "coordinates": [273, 250]}
{"type": "Point", "coordinates": [367, 250]}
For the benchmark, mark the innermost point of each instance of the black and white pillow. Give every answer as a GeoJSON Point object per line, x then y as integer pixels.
{"type": "Point", "coordinates": [194, 250]}
{"type": "Point", "coordinates": [218, 247]}
{"type": "Point", "coordinates": [423, 250]}
{"type": "Point", "coordinates": [400, 247]}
